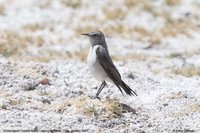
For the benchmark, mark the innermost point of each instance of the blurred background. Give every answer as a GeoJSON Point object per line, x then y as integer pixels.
{"type": "Point", "coordinates": [46, 30]}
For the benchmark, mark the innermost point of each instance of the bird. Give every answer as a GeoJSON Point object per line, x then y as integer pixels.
{"type": "Point", "coordinates": [101, 65]}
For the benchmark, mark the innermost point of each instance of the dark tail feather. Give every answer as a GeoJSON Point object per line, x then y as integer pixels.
{"type": "Point", "coordinates": [128, 90]}
{"type": "Point", "coordinates": [119, 89]}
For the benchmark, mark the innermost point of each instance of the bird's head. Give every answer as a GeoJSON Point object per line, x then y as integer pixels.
{"type": "Point", "coordinates": [96, 38]}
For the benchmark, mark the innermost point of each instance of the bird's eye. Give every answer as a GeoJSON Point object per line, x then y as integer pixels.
{"type": "Point", "coordinates": [95, 35]}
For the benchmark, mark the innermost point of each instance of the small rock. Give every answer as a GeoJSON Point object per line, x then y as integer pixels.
{"type": "Point", "coordinates": [130, 75]}
{"type": "Point", "coordinates": [26, 77]}
{"type": "Point", "coordinates": [4, 106]}
{"type": "Point", "coordinates": [46, 101]}
{"type": "Point", "coordinates": [80, 120]}
{"type": "Point", "coordinates": [80, 92]}
{"type": "Point", "coordinates": [127, 108]}
{"type": "Point", "coordinates": [35, 129]}
{"type": "Point", "coordinates": [44, 82]}
{"type": "Point", "coordinates": [165, 104]}
{"type": "Point", "coordinates": [187, 14]}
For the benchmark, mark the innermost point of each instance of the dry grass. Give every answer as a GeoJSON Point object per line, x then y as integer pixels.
{"type": "Point", "coordinates": [90, 110]}
{"type": "Point", "coordinates": [170, 29]}
{"type": "Point", "coordinates": [131, 3]}
{"type": "Point", "coordinates": [44, 4]}
{"type": "Point", "coordinates": [58, 107]}
{"type": "Point", "coordinates": [11, 42]}
{"type": "Point", "coordinates": [34, 27]}
{"type": "Point", "coordinates": [80, 55]}
{"type": "Point", "coordinates": [84, 29]}
{"type": "Point", "coordinates": [14, 102]}
{"type": "Point", "coordinates": [45, 56]}
{"type": "Point", "coordinates": [177, 95]}
{"type": "Point", "coordinates": [61, 107]}
{"type": "Point", "coordinates": [172, 2]}
{"type": "Point", "coordinates": [2, 9]}
{"type": "Point", "coordinates": [146, 36]}
{"type": "Point", "coordinates": [116, 28]}
{"type": "Point", "coordinates": [38, 27]}
{"type": "Point", "coordinates": [72, 3]}
{"type": "Point", "coordinates": [174, 55]}
{"type": "Point", "coordinates": [43, 93]}
{"type": "Point", "coordinates": [135, 57]}
{"type": "Point", "coordinates": [174, 28]}
{"type": "Point", "coordinates": [145, 4]}
{"type": "Point", "coordinates": [187, 53]}
{"type": "Point", "coordinates": [177, 114]}
{"type": "Point", "coordinates": [114, 107]}
{"type": "Point", "coordinates": [114, 13]}
{"type": "Point", "coordinates": [196, 107]}
{"type": "Point", "coordinates": [188, 71]}
{"type": "Point", "coordinates": [105, 109]}
{"type": "Point", "coordinates": [101, 109]}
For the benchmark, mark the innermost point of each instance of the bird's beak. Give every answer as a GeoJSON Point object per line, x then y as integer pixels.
{"type": "Point", "coordinates": [85, 34]}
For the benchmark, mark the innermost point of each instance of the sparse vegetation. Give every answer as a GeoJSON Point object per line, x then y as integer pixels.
{"type": "Point", "coordinates": [172, 2]}
{"type": "Point", "coordinates": [188, 71]}
{"type": "Point", "coordinates": [72, 3]}
{"type": "Point", "coordinates": [34, 27]}
{"type": "Point", "coordinates": [11, 42]}
{"type": "Point", "coordinates": [131, 3]}
{"type": "Point", "coordinates": [134, 57]}
{"type": "Point", "coordinates": [100, 109]}
{"type": "Point", "coordinates": [45, 4]}
{"type": "Point", "coordinates": [14, 102]}
{"type": "Point", "coordinates": [43, 93]}
{"type": "Point", "coordinates": [196, 107]}
{"type": "Point", "coordinates": [114, 13]}
{"type": "Point", "coordinates": [114, 107]}
{"type": "Point", "coordinates": [2, 9]}
{"type": "Point", "coordinates": [174, 55]}
{"type": "Point", "coordinates": [90, 110]}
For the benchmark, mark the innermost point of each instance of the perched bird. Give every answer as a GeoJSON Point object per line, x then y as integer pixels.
{"type": "Point", "coordinates": [101, 66]}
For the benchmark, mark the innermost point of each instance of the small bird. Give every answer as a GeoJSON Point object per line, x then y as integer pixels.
{"type": "Point", "coordinates": [101, 65]}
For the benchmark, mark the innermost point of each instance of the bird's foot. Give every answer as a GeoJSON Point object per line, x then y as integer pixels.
{"type": "Point", "coordinates": [94, 97]}
{"type": "Point", "coordinates": [98, 97]}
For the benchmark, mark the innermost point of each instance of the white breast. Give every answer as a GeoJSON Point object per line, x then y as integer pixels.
{"type": "Point", "coordinates": [94, 66]}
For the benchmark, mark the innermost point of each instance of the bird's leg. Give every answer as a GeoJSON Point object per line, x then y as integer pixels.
{"type": "Point", "coordinates": [103, 84]}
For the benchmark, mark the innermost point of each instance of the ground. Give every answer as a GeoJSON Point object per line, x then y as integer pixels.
{"type": "Point", "coordinates": [45, 83]}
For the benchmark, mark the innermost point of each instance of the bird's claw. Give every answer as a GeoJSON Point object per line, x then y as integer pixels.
{"type": "Point", "coordinates": [94, 97]}
{"type": "Point", "coordinates": [98, 97]}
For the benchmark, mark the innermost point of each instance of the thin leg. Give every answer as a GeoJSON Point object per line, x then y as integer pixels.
{"type": "Point", "coordinates": [103, 84]}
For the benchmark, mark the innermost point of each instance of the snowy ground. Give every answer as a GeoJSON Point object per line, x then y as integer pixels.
{"type": "Point", "coordinates": [45, 83]}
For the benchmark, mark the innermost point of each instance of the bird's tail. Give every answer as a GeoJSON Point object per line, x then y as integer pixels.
{"type": "Point", "coordinates": [128, 90]}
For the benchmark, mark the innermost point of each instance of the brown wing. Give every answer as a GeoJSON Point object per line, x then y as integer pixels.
{"type": "Point", "coordinates": [111, 70]}
{"type": "Point", "coordinates": [108, 66]}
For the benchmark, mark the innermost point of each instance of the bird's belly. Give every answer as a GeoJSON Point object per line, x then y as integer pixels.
{"type": "Point", "coordinates": [97, 71]}
{"type": "Point", "coordinates": [95, 67]}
